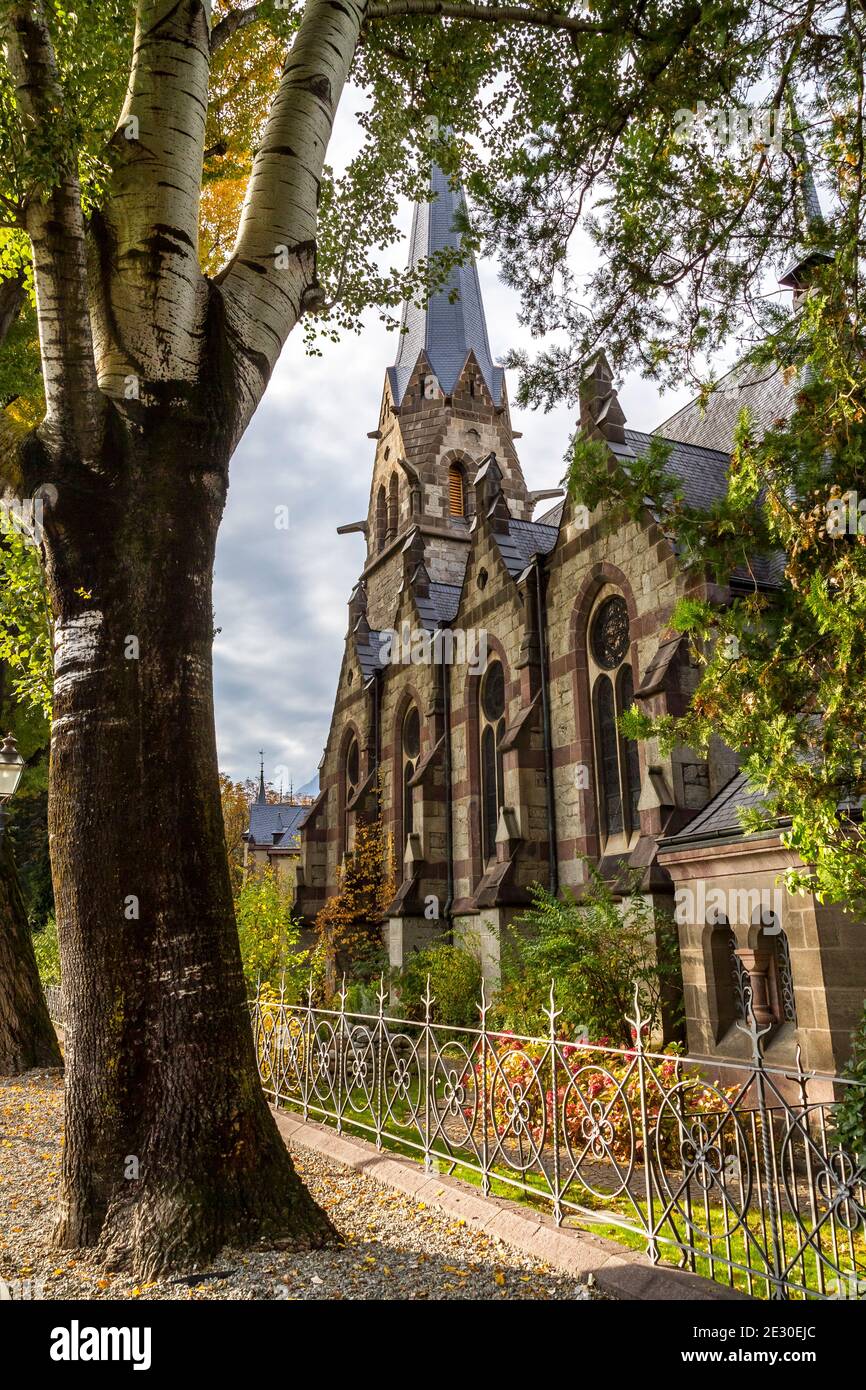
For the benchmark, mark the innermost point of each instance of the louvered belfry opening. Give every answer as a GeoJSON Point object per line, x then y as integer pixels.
{"type": "Point", "coordinates": [456, 496]}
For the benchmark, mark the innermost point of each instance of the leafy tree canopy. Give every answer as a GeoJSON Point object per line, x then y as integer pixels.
{"type": "Point", "coordinates": [556, 117]}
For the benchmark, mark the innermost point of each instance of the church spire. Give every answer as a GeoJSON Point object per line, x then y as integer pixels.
{"type": "Point", "coordinates": [810, 218]}
{"type": "Point", "coordinates": [452, 322]}
{"type": "Point", "coordinates": [261, 798]}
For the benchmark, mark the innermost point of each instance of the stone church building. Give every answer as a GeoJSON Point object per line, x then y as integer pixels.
{"type": "Point", "coordinates": [488, 654]}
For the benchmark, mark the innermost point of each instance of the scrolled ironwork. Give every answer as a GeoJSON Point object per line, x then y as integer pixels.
{"type": "Point", "coordinates": [728, 1168]}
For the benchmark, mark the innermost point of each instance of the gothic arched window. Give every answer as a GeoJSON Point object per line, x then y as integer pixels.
{"type": "Point", "coordinates": [492, 731]}
{"type": "Point", "coordinates": [780, 977]}
{"type": "Point", "coordinates": [607, 743]}
{"type": "Point", "coordinates": [381, 518]}
{"type": "Point", "coordinates": [393, 506]}
{"type": "Point", "coordinates": [411, 750]}
{"type": "Point", "coordinates": [631, 759]}
{"type": "Point", "coordinates": [456, 491]}
{"type": "Point", "coordinates": [352, 776]}
{"type": "Point", "coordinates": [729, 976]}
{"type": "Point", "coordinates": [617, 761]}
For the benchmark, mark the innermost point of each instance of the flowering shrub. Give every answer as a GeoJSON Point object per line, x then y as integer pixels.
{"type": "Point", "coordinates": [598, 1100]}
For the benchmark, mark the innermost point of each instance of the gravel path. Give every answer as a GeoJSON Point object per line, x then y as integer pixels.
{"type": "Point", "coordinates": [396, 1248]}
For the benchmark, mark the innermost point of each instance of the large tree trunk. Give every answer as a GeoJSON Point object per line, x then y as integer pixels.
{"type": "Point", "coordinates": [171, 1150]}
{"type": "Point", "coordinates": [27, 1038]}
{"type": "Point", "coordinates": [151, 375]}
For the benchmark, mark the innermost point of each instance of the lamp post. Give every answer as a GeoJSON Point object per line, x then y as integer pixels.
{"type": "Point", "coordinates": [11, 768]}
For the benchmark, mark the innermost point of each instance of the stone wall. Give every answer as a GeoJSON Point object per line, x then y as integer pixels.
{"type": "Point", "coordinates": [827, 952]}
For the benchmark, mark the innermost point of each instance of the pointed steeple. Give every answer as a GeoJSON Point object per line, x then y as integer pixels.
{"type": "Point", "coordinates": [810, 218]}
{"type": "Point", "coordinates": [261, 798]}
{"type": "Point", "coordinates": [452, 322]}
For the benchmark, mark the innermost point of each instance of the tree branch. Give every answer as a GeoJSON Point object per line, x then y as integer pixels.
{"type": "Point", "coordinates": [150, 295]}
{"type": "Point", "coordinates": [55, 224]}
{"type": "Point", "coordinates": [271, 277]}
{"type": "Point", "coordinates": [487, 14]}
{"type": "Point", "coordinates": [231, 23]}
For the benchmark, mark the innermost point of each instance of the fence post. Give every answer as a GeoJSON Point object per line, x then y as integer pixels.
{"type": "Point", "coordinates": [308, 1048]}
{"type": "Point", "coordinates": [379, 1056]}
{"type": "Point", "coordinates": [341, 1053]}
{"type": "Point", "coordinates": [757, 1036]}
{"type": "Point", "coordinates": [428, 1000]}
{"type": "Point", "coordinates": [485, 1156]}
{"type": "Point", "coordinates": [638, 1024]}
{"type": "Point", "coordinates": [553, 1015]}
{"type": "Point", "coordinates": [281, 1039]}
{"type": "Point", "coordinates": [810, 1173]}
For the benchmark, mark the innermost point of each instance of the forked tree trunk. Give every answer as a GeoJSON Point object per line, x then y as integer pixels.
{"type": "Point", "coordinates": [171, 1150]}
{"type": "Point", "coordinates": [151, 375]}
{"type": "Point", "coordinates": [27, 1037]}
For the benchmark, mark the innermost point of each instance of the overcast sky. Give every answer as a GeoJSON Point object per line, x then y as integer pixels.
{"type": "Point", "coordinates": [281, 594]}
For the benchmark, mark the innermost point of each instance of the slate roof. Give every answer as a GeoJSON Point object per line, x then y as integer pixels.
{"type": "Point", "coordinates": [452, 322]}
{"type": "Point", "coordinates": [703, 472]}
{"type": "Point", "coordinates": [763, 389]}
{"type": "Point", "coordinates": [268, 819]}
{"type": "Point", "coordinates": [523, 540]}
{"type": "Point", "coordinates": [368, 645]}
{"type": "Point", "coordinates": [445, 600]}
{"type": "Point", "coordinates": [553, 517]}
{"type": "Point", "coordinates": [720, 816]}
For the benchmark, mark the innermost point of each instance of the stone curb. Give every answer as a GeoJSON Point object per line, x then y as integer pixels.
{"type": "Point", "coordinates": [617, 1271]}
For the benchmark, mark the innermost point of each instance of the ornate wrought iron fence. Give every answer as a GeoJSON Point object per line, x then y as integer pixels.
{"type": "Point", "coordinates": [728, 1169]}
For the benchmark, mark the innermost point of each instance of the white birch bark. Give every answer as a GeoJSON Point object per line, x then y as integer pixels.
{"type": "Point", "coordinates": [54, 222]}
{"type": "Point", "coordinates": [149, 293]}
{"type": "Point", "coordinates": [272, 268]}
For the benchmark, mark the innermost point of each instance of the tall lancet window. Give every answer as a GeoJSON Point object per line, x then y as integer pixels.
{"type": "Point", "coordinates": [411, 752]}
{"type": "Point", "coordinates": [456, 491]}
{"type": "Point", "coordinates": [492, 729]}
{"type": "Point", "coordinates": [393, 506]}
{"type": "Point", "coordinates": [616, 758]}
{"type": "Point", "coordinates": [780, 976]}
{"type": "Point", "coordinates": [381, 518]}
{"type": "Point", "coordinates": [352, 779]}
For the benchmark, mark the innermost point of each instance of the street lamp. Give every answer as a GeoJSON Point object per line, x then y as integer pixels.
{"type": "Point", "coordinates": [11, 768]}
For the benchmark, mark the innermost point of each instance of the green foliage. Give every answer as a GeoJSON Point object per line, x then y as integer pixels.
{"type": "Point", "coordinates": [850, 1113]}
{"type": "Point", "coordinates": [269, 933]}
{"type": "Point", "coordinates": [591, 477]}
{"type": "Point", "coordinates": [455, 985]}
{"type": "Point", "coordinates": [783, 671]}
{"type": "Point", "coordinates": [595, 950]}
{"type": "Point", "coordinates": [46, 948]}
{"type": "Point", "coordinates": [556, 132]}
{"type": "Point", "coordinates": [349, 926]}
{"type": "Point", "coordinates": [362, 998]}
{"type": "Point", "coordinates": [25, 624]}
{"type": "Point", "coordinates": [28, 832]}
{"type": "Point", "coordinates": [235, 802]}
